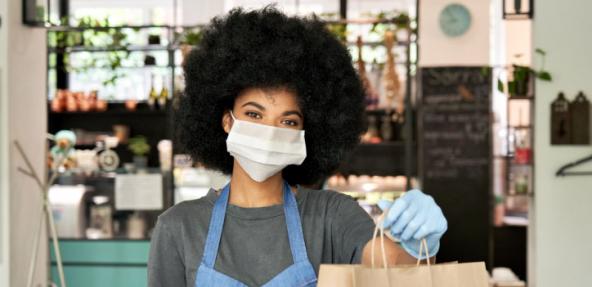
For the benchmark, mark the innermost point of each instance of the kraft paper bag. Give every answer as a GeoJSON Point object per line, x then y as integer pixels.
{"type": "Point", "coordinates": [430, 275]}
{"type": "Point", "coordinates": [435, 275]}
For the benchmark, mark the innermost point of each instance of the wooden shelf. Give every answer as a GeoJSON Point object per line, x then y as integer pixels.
{"type": "Point", "coordinates": [130, 48]}
{"type": "Point", "coordinates": [523, 127]}
{"type": "Point", "coordinates": [521, 98]}
{"type": "Point", "coordinates": [56, 28]}
{"type": "Point", "coordinates": [116, 109]}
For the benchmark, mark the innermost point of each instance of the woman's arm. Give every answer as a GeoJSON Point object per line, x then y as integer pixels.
{"type": "Point", "coordinates": [353, 228]}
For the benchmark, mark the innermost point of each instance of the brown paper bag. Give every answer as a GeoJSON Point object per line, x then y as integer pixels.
{"type": "Point", "coordinates": [435, 275]}
{"type": "Point", "coordinates": [430, 275]}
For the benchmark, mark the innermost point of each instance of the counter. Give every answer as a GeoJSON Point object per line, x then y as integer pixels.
{"type": "Point", "coordinates": [100, 263]}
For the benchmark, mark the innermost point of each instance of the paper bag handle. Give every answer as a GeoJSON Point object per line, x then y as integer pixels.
{"type": "Point", "coordinates": [383, 250]}
{"type": "Point", "coordinates": [423, 245]}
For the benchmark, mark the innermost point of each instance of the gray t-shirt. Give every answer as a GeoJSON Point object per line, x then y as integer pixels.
{"type": "Point", "coordinates": [254, 246]}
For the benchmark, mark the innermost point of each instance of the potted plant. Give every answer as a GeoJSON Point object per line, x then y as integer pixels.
{"type": "Point", "coordinates": [189, 39]}
{"type": "Point", "coordinates": [139, 146]}
{"type": "Point", "coordinates": [519, 84]}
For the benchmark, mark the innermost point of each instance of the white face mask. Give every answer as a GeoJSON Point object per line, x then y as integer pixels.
{"type": "Point", "coordinates": [263, 150]}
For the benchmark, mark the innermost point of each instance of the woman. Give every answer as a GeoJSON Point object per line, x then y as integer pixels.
{"type": "Point", "coordinates": [274, 101]}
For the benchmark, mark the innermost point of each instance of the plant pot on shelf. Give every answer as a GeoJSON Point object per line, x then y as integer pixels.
{"type": "Point", "coordinates": [138, 145]}
{"type": "Point", "coordinates": [519, 86]}
{"type": "Point", "coordinates": [140, 162]}
{"type": "Point", "coordinates": [131, 104]}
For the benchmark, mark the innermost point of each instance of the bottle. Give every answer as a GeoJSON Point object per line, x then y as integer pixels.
{"type": "Point", "coordinates": [136, 226]}
{"type": "Point", "coordinates": [164, 95]}
{"type": "Point", "coordinates": [499, 211]}
{"type": "Point", "coordinates": [523, 152]}
{"type": "Point", "coordinates": [386, 129]}
{"type": "Point", "coordinates": [152, 96]}
{"type": "Point", "coordinates": [371, 135]}
{"type": "Point", "coordinates": [521, 184]}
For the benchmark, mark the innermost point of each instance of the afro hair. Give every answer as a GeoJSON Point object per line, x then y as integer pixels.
{"type": "Point", "coordinates": [267, 49]}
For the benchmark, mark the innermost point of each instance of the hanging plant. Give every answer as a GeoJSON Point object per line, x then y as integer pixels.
{"type": "Point", "coordinates": [339, 30]}
{"type": "Point", "coordinates": [92, 35]}
{"type": "Point", "coordinates": [521, 76]}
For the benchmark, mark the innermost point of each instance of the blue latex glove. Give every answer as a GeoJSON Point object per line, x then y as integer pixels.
{"type": "Point", "coordinates": [413, 217]}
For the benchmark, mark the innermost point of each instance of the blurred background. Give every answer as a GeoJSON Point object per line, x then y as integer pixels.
{"type": "Point", "coordinates": [480, 103]}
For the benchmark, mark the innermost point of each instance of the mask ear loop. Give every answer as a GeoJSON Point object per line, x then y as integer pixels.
{"type": "Point", "coordinates": [233, 118]}
{"type": "Point", "coordinates": [232, 115]}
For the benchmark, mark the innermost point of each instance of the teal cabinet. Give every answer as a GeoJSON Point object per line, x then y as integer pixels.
{"type": "Point", "coordinates": [94, 263]}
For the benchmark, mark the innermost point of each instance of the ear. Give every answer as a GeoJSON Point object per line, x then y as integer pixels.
{"type": "Point", "coordinates": [226, 121]}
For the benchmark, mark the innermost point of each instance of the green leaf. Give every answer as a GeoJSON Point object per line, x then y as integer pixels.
{"type": "Point", "coordinates": [500, 85]}
{"type": "Point", "coordinates": [544, 76]}
{"type": "Point", "coordinates": [485, 71]}
{"type": "Point", "coordinates": [512, 87]}
{"type": "Point", "coordinates": [540, 51]}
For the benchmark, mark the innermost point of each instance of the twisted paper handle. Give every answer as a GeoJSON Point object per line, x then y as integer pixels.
{"type": "Point", "coordinates": [423, 244]}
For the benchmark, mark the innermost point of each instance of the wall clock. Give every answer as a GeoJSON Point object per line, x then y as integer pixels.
{"type": "Point", "coordinates": [455, 20]}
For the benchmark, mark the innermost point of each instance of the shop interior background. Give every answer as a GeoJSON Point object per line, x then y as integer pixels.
{"type": "Point", "coordinates": [554, 237]}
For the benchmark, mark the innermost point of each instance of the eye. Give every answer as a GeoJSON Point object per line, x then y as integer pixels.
{"type": "Point", "coordinates": [253, 115]}
{"type": "Point", "coordinates": [290, 123]}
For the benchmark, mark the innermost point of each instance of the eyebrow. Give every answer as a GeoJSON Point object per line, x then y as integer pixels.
{"type": "Point", "coordinates": [255, 105]}
{"type": "Point", "coordinates": [286, 113]}
{"type": "Point", "coordinates": [293, 113]}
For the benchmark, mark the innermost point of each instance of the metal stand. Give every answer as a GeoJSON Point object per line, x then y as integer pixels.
{"type": "Point", "coordinates": [44, 188]}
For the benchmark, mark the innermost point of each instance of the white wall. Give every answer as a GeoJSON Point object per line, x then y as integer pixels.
{"type": "Point", "coordinates": [563, 225]}
{"type": "Point", "coordinates": [200, 11]}
{"type": "Point", "coordinates": [24, 117]}
{"type": "Point", "coordinates": [470, 49]}
{"type": "Point", "coordinates": [518, 41]}
{"type": "Point", "coordinates": [4, 275]}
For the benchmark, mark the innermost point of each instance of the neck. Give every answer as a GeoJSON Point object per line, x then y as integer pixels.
{"type": "Point", "coordinates": [245, 192]}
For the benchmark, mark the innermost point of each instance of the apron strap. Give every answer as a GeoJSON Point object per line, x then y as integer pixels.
{"type": "Point", "coordinates": [210, 251]}
{"type": "Point", "coordinates": [294, 225]}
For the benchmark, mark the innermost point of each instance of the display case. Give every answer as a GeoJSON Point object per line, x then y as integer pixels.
{"type": "Point", "coordinates": [383, 165]}
{"type": "Point", "coordinates": [519, 162]}
{"type": "Point", "coordinates": [515, 181]}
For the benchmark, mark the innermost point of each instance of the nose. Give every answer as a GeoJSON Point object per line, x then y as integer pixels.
{"type": "Point", "coordinates": [271, 121]}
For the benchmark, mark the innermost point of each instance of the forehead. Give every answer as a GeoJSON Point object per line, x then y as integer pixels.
{"type": "Point", "coordinates": [270, 97]}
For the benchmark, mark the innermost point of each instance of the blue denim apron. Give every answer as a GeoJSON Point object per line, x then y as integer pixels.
{"type": "Point", "coordinates": [300, 274]}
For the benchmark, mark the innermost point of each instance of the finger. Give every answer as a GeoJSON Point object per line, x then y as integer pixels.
{"type": "Point", "coordinates": [415, 223]}
{"type": "Point", "coordinates": [396, 236]}
{"type": "Point", "coordinates": [384, 204]}
{"type": "Point", "coordinates": [423, 231]}
{"type": "Point", "coordinates": [413, 194]}
{"type": "Point", "coordinates": [435, 224]}
{"type": "Point", "coordinates": [394, 212]}
{"type": "Point", "coordinates": [404, 219]}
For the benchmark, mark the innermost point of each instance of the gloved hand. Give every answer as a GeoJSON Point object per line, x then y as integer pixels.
{"type": "Point", "coordinates": [413, 217]}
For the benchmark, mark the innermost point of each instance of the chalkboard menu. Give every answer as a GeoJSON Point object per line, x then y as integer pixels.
{"type": "Point", "coordinates": [455, 155]}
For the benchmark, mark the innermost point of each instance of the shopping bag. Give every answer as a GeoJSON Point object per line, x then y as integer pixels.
{"type": "Point", "coordinates": [430, 275]}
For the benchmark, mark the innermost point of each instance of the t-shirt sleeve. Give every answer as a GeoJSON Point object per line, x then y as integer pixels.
{"type": "Point", "coordinates": [165, 265]}
{"type": "Point", "coordinates": [352, 228]}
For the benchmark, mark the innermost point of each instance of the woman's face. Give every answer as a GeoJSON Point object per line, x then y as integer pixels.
{"type": "Point", "coordinates": [273, 107]}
